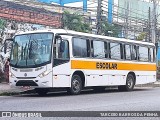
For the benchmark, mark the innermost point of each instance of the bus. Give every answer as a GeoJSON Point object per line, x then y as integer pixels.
{"type": "Point", "coordinates": [45, 60]}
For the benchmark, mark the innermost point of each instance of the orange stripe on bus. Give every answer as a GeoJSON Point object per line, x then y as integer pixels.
{"type": "Point", "coordinates": [96, 65]}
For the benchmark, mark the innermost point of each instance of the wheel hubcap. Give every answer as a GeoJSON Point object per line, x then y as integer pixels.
{"type": "Point", "coordinates": [76, 85]}
{"type": "Point", "coordinates": [130, 82]}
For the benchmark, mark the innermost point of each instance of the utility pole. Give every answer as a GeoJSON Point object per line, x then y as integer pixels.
{"type": "Point", "coordinates": [153, 22]}
{"type": "Point", "coordinates": [126, 18]}
{"type": "Point", "coordinates": [99, 15]}
{"type": "Point", "coordinates": [149, 25]}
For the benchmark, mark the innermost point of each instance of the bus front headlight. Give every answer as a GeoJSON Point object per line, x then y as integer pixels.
{"type": "Point", "coordinates": [11, 75]}
{"type": "Point", "coordinates": [44, 74]}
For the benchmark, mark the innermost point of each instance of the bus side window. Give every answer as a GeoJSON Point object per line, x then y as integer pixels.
{"type": "Point", "coordinates": [151, 54]}
{"type": "Point", "coordinates": [134, 52]}
{"type": "Point", "coordinates": [61, 52]}
{"type": "Point", "coordinates": [80, 48]}
{"type": "Point", "coordinates": [115, 50]}
{"type": "Point", "coordinates": [143, 53]}
{"type": "Point", "coordinates": [127, 52]}
{"type": "Point", "coordinates": [98, 49]}
{"type": "Point", "coordinates": [63, 49]}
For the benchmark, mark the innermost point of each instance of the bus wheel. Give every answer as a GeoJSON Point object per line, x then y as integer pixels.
{"type": "Point", "coordinates": [76, 85]}
{"type": "Point", "coordinates": [130, 82]}
{"type": "Point", "coordinates": [41, 92]}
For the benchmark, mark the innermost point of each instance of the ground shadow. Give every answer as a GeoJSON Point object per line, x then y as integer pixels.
{"type": "Point", "coordinates": [84, 92]}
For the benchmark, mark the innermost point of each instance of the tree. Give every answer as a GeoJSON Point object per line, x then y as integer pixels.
{"type": "Point", "coordinates": [75, 22]}
{"type": "Point", "coordinates": [2, 24]}
{"type": "Point", "coordinates": [2, 27]}
{"type": "Point", "coordinates": [142, 36]}
{"type": "Point", "coordinates": [110, 29]}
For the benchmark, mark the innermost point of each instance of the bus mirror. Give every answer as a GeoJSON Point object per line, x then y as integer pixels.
{"type": "Point", "coordinates": [58, 37]}
{"type": "Point", "coordinates": [62, 46]}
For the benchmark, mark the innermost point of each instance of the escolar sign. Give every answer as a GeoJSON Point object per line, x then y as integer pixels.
{"type": "Point", "coordinates": [98, 65]}
{"type": "Point", "coordinates": [103, 65]}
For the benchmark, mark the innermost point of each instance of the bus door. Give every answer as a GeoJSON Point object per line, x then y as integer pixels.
{"type": "Point", "coordinates": [61, 63]}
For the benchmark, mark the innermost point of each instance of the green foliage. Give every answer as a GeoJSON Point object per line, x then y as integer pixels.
{"type": "Point", "coordinates": [75, 22]}
{"type": "Point", "coordinates": [142, 36]}
{"type": "Point", "coordinates": [159, 63]}
{"type": "Point", "coordinates": [2, 23]}
{"type": "Point", "coordinates": [113, 28]}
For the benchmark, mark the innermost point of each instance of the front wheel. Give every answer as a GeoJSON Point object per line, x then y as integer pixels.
{"type": "Point", "coordinates": [130, 82]}
{"type": "Point", "coordinates": [76, 85]}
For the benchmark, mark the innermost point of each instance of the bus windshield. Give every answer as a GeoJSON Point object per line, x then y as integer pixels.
{"type": "Point", "coordinates": [31, 50]}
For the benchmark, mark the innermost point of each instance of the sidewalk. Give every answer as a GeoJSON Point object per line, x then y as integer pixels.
{"type": "Point", "coordinates": [155, 84]}
{"type": "Point", "coordinates": [5, 87]}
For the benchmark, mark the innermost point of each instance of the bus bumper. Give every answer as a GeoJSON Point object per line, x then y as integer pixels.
{"type": "Point", "coordinates": [31, 83]}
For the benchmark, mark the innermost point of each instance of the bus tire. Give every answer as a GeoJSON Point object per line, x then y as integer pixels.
{"type": "Point", "coordinates": [76, 85]}
{"type": "Point", "coordinates": [41, 92]}
{"type": "Point", "coordinates": [130, 82]}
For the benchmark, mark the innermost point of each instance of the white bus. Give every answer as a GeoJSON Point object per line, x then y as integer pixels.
{"type": "Point", "coordinates": [48, 59]}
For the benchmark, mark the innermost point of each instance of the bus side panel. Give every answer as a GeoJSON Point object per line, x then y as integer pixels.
{"type": "Point", "coordinates": [108, 75]}
{"type": "Point", "coordinates": [95, 80]}
{"type": "Point", "coordinates": [143, 77]}
{"type": "Point", "coordinates": [116, 80]}
{"type": "Point", "coordinates": [61, 75]}
{"type": "Point", "coordinates": [105, 77]}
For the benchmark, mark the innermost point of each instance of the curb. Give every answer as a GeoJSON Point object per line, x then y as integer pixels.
{"type": "Point", "coordinates": [9, 93]}
{"type": "Point", "coordinates": [155, 84]}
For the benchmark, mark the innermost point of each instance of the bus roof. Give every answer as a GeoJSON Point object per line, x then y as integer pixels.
{"type": "Point", "coordinates": [63, 31]}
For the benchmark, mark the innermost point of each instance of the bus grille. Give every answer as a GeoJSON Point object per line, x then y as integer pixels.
{"type": "Point", "coordinates": [26, 70]}
{"type": "Point", "coordinates": [26, 83]}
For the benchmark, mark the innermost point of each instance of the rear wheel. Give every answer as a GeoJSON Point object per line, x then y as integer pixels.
{"type": "Point", "coordinates": [42, 92]}
{"type": "Point", "coordinates": [130, 82]}
{"type": "Point", "coordinates": [76, 85]}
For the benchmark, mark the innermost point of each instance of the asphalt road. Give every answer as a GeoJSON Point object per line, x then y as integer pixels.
{"type": "Point", "coordinates": [141, 99]}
